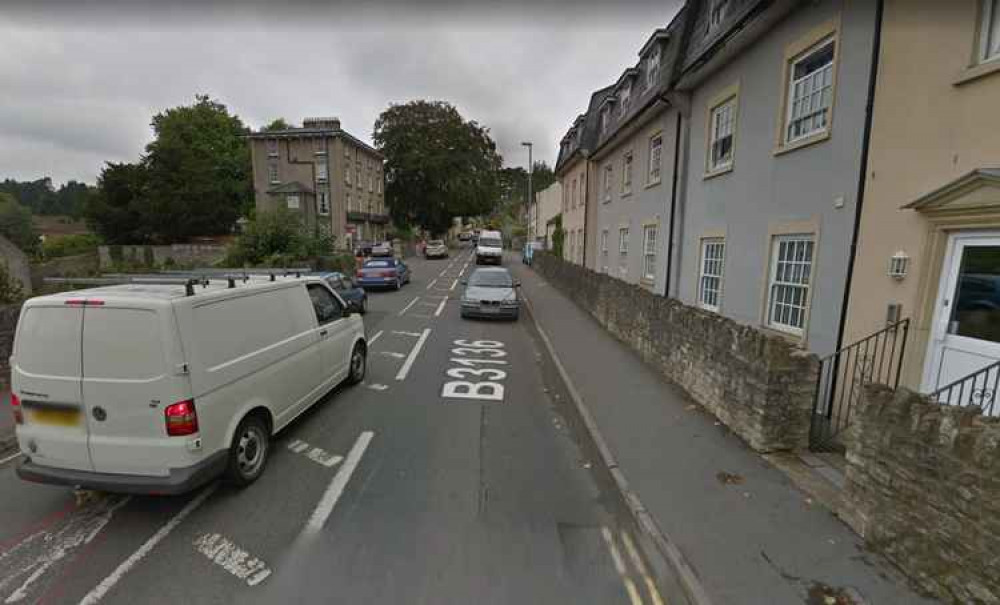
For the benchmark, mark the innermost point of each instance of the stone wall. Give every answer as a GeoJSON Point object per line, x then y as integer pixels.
{"type": "Point", "coordinates": [923, 487]}
{"type": "Point", "coordinates": [17, 263]}
{"type": "Point", "coordinates": [189, 255]}
{"type": "Point", "coordinates": [8, 321]}
{"type": "Point", "coordinates": [77, 265]}
{"type": "Point", "coordinates": [759, 385]}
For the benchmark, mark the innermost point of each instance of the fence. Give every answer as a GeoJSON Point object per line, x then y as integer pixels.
{"type": "Point", "coordinates": [978, 389]}
{"type": "Point", "coordinates": [843, 375]}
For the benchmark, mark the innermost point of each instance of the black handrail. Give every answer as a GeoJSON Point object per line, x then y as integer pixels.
{"type": "Point", "coordinates": [877, 358]}
{"type": "Point", "coordinates": [975, 389]}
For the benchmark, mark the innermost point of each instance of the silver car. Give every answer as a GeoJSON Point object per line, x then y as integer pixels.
{"type": "Point", "coordinates": [436, 249]}
{"type": "Point", "coordinates": [491, 293]}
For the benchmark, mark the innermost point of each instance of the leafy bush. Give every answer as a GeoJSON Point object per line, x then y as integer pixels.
{"type": "Point", "coordinates": [558, 236]}
{"type": "Point", "coordinates": [11, 290]}
{"type": "Point", "coordinates": [342, 263]}
{"type": "Point", "coordinates": [67, 245]}
{"type": "Point", "coordinates": [15, 224]}
{"type": "Point", "coordinates": [277, 238]}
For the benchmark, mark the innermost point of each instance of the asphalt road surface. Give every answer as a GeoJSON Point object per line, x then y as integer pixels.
{"type": "Point", "coordinates": [448, 476]}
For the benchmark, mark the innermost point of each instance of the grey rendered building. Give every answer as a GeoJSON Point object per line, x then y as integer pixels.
{"type": "Point", "coordinates": [634, 187]}
{"type": "Point", "coordinates": [777, 111]}
{"type": "Point", "coordinates": [331, 178]}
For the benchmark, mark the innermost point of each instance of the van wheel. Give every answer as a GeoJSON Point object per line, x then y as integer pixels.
{"type": "Point", "coordinates": [248, 452]}
{"type": "Point", "coordinates": [359, 364]}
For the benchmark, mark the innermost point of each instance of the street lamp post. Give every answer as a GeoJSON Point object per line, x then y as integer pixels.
{"type": "Point", "coordinates": [531, 168]}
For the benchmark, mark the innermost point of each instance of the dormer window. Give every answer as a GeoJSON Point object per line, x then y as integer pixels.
{"type": "Point", "coordinates": [652, 67]}
{"type": "Point", "coordinates": [604, 120]}
{"type": "Point", "coordinates": [625, 97]}
{"type": "Point", "coordinates": [717, 14]}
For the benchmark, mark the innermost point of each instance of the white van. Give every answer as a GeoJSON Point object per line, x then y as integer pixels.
{"type": "Point", "coordinates": [489, 248]}
{"type": "Point", "coordinates": [160, 388]}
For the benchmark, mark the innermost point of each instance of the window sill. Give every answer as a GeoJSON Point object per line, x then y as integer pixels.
{"type": "Point", "coordinates": [711, 174]}
{"type": "Point", "coordinates": [795, 339]}
{"type": "Point", "coordinates": [626, 193]}
{"type": "Point", "coordinates": [975, 72]}
{"type": "Point", "coordinates": [653, 183]}
{"type": "Point", "coordinates": [799, 144]}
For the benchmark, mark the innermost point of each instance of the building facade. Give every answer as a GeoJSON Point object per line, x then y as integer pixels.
{"type": "Point", "coordinates": [634, 161]}
{"type": "Point", "coordinates": [777, 111]}
{"type": "Point", "coordinates": [929, 237]}
{"type": "Point", "coordinates": [547, 204]}
{"type": "Point", "coordinates": [331, 178]}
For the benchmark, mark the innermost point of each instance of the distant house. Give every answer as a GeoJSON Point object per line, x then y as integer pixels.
{"type": "Point", "coordinates": [330, 177]}
{"type": "Point", "coordinates": [540, 212]}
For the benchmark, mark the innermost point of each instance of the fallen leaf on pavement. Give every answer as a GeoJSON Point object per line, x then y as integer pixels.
{"type": "Point", "coordinates": [729, 478]}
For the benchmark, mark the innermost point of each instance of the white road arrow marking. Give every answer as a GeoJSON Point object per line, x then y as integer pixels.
{"type": "Point", "coordinates": [232, 558]}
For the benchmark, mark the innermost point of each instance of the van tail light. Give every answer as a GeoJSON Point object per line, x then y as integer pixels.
{"type": "Point", "coordinates": [360, 273]}
{"type": "Point", "coordinates": [85, 302]}
{"type": "Point", "coordinates": [15, 403]}
{"type": "Point", "coordinates": [182, 418]}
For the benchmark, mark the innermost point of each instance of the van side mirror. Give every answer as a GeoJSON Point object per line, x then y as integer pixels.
{"type": "Point", "coordinates": [348, 310]}
{"type": "Point", "coordinates": [464, 282]}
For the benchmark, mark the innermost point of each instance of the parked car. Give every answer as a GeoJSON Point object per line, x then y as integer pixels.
{"type": "Point", "coordinates": [353, 294]}
{"type": "Point", "coordinates": [528, 253]}
{"type": "Point", "coordinates": [383, 273]}
{"type": "Point", "coordinates": [436, 249]}
{"type": "Point", "coordinates": [464, 236]}
{"type": "Point", "coordinates": [158, 389]}
{"type": "Point", "coordinates": [382, 249]}
{"type": "Point", "coordinates": [491, 292]}
{"type": "Point", "coordinates": [489, 248]}
{"type": "Point", "coordinates": [363, 248]}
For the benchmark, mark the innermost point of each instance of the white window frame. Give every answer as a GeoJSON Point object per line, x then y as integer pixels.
{"type": "Point", "coordinates": [653, 171]}
{"type": "Point", "coordinates": [789, 284]}
{"type": "Point", "coordinates": [652, 67]}
{"type": "Point", "coordinates": [319, 145]}
{"type": "Point", "coordinates": [628, 161]}
{"type": "Point", "coordinates": [323, 203]}
{"type": "Point", "coordinates": [347, 175]}
{"type": "Point", "coordinates": [711, 273]}
{"type": "Point", "coordinates": [605, 113]}
{"type": "Point", "coordinates": [625, 98]}
{"type": "Point", "coordinates": [272, 174]}
{"type": "Point", "coordinates": [347, 151]}
{"type": "Point", "coordinates": [604, 242]}
{"type": "Point", "coordinates": [608, 177]}
{"type": "Point", "coordinates": [349, 203]}
{"type": "Point", "coordinates": [824, 88]}
{"type": "Point", "coordinates": [360, 182]}
{"type": "Point", "coordinates": [272, 148]}
{"type": "Point", "coordinates": [649, 234]}
{"type": "Point", "coordinates": [623, 241]}
{"type": "Point", "coordinates": [989, 31]}
{"type": "Point", "coordinates": [722, 124]}
{"type": "Point", "coordinates": [322, 175]}
{"type": "Point", "coordinates": [572, 197]}
{"type": "Point", "coordinates": [292, 201]}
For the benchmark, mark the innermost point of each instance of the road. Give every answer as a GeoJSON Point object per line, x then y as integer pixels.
{"type": "Point", "coordinates": [409, 488]}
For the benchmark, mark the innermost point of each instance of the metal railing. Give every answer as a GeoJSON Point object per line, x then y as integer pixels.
{"type": "Point", "coordinates": [877, 358]}
{"type": "Point", "coordinates": [977, 389]}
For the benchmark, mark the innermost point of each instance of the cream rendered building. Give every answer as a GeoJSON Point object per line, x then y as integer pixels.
{"type": "Point", "coordinates": [929, 233]}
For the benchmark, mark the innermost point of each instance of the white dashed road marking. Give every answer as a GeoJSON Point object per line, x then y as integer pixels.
{"type": "Point", "coordinates": [440, 308]}
{"type": "Point", "coordinates": [407, 307]}
{"type": "Point", "coordinates": [333, 491]}
{"type": "Point", "coordinates": [315, 454]}
{"type": "Point", "coordinates": [431, 285]}
{"type": "Point", "coordinates": [453, 284]}
{"type": "Point", "coordinates": [392, 354]}
{"type": "Point", "coordinates": [372, 340]}
{"type": "Point", "coordinates": [377, 386]}
{"type": "Point", "coordinates": [232, 558]}
{"type": "Point", "coordinates": [403, 371]}
{"type": "Point", "coordinates": [95, 595]}
{"type": "Point", "coordinates": [402, 333]}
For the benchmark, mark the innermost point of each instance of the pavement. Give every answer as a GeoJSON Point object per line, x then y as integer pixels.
{"type": "Point", "coordinates": [740, 524]}
{"type": "Point", "coordinates": [404, 489]}
{"type": "Point", "coordinates": [7, 439]}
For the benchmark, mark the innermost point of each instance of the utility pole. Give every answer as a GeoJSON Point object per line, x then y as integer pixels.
{"type": "Point", "coordinates": [531, 193]}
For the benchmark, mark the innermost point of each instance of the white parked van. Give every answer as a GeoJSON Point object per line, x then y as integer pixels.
{"type": "Point", "coordinates": [160, 388]}
{"type": "Point", "coordinates": [489, 248]}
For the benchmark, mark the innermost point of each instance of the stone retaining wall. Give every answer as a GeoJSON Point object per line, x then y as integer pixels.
{"type": "Point", "coordinates": [8, 321]}
{"type": "Point", "coordinates": [112, 257]}
{"type": "Point", "coordinates": [923, 488]}
{"type": "Point", "coordinates": [759, 385]}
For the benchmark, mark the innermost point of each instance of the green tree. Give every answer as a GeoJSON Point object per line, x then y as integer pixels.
{"type": "Point", "coordinates": [277, 237]}
{"type": "Point", "coordinates": [116, 210]}
{"type": "Point", "coordinates": [558, 236]}
{"type": "Point", "coordinates": [276, 124]}
{"type": "Point", "coordinates": [438, 165]}
{"type": "Point", "coordinates": [15, 224]}
{"type": "Point", "coordinates": [198, 172]}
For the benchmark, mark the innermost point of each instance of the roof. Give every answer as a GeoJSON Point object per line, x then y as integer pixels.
{"type": "Point", "coordinates": [292, 133]}
{"type": "Point", "coordinates": [959, 188]}
{"type": "Point", "coordinates": [291, 187]}
{"type": "Point", "coordinates": [657, 35]}
{"type": "Point", "coordinates": [158, 294]}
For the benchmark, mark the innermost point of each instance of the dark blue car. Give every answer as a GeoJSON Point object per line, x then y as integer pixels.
{"type": "Point", "coordinates": [383, 273]}
{"type": "Point", "coordinates": [348, 290]}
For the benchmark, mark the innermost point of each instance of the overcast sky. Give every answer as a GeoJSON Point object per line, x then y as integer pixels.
{"type": "Point", "coordinates": [78, 88]}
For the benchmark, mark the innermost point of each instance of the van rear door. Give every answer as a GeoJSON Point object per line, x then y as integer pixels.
{"type": "Point", "coordinates": [128, 381]}
{"type": "Point", "coordinates": [46, 376]}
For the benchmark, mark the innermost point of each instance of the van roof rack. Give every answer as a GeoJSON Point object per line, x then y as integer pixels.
{"type": "Point", "coordinates": [187, 279]}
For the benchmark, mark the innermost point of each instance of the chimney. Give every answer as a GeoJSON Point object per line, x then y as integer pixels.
{"type": "Point", "coordinates": [322, 123]}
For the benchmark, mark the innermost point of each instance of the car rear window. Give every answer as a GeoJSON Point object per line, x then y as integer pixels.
{"type": "Point", "coordinates": [489, 242]}
{"type": "Point", "coordinates": [378, 264]}
{"type": "Point", "coordinates": [435, 242]}
{"type": "Point", "coordinates": [48, 341]}
{"type": "Point", "coordinates": [122, 344]}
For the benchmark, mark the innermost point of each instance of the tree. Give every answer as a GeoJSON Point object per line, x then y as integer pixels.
{"type": "Point", "coordinates": [116, 210]}
{"type": "Point", "coordinates": [438, 165]}
{"type": "Point", "coordinates": [198, 172]}
{"type": "Point", "coordinates": [15, 224]}
{"type": "Point", "coordinates": [276, 124]}
{"type": "Point", "coordinates": [277, 236]}
{"type": "Point", "coordinates": [40, 197]}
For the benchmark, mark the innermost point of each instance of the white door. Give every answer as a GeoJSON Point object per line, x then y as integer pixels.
{"type": "Point", "coordinates": [966, 330]}
{"type": "Point", "coordinates": [334, 332]}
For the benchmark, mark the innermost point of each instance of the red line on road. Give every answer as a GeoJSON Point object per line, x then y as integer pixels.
{"type": "Point", "coordinates": [40, 525]}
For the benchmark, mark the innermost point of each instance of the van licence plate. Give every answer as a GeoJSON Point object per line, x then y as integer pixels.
{"type": "Point", "coordinates": [55, 416]}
